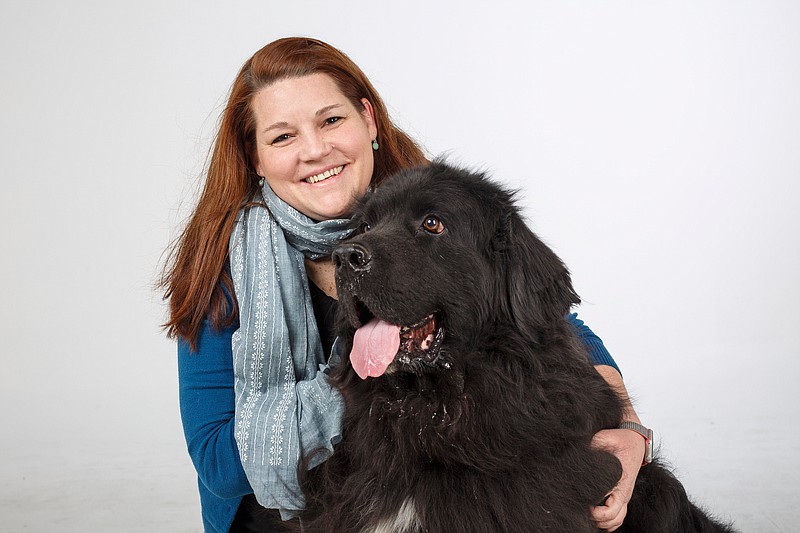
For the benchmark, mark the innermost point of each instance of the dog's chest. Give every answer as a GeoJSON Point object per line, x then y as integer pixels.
{"type": "Point", "coordinates": [405, 521]}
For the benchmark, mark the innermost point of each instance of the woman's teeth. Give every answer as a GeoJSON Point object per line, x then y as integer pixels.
{"type": "Point", "coordinates": [325, 175]}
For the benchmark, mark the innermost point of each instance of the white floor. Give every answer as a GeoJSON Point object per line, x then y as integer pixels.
{"type": "Point", "coordinates": [118, 470]}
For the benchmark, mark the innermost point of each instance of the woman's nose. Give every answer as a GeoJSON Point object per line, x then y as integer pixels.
{"type": "Point", "coordinates": [315, 146]}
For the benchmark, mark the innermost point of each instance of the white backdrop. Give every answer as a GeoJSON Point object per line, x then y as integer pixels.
{"type": "Point", "coordinates": [656, 143]}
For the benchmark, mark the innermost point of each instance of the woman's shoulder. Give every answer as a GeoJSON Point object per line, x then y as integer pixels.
{"type": "Point", "coordinates": [210, 338]}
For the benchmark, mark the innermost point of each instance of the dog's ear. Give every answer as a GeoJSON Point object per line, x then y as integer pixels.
{"type": "Point", "coordinates": [536, 289]}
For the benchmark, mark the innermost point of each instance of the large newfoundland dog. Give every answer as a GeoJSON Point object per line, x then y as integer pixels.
{"type": "Point", "coordinates": [470, 403]}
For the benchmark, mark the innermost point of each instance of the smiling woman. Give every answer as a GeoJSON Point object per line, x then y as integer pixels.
{"type": "Point", "coordinates": [304, 118]}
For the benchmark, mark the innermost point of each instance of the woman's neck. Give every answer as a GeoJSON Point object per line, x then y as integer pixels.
{"type": "Point", "coordinates": [322, 273]}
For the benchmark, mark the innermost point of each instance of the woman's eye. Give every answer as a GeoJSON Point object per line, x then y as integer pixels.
{"type": "Point", "coordinates": [332, 120]}
{"type": "Point", "coordinates": [432, 224]}
{"type": "Point", "coordinates": [280, 138]}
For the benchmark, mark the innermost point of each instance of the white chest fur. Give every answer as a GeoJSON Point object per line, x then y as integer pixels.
{"type": "Point", "coordinates": [405, 521]}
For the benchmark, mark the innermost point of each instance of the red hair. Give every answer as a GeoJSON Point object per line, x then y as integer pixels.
{"type": "Point", "coordinates": [195, 280]}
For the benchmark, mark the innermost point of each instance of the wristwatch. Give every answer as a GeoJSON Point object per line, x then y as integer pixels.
{"type": "Point", "coordinates": [647, 433]}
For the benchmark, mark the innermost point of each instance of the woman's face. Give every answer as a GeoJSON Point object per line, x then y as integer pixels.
{"type": "Point", "coordinates": [312, 146]}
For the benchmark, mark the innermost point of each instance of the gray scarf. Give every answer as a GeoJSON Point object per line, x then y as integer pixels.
{"type": "Point", "coordinates": [285, 406]}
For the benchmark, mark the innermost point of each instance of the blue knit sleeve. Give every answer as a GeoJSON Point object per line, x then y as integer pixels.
{"type": "Point", "coordinates": [598, 354]}
{"type": "Point", "coordinates": [207, 409]}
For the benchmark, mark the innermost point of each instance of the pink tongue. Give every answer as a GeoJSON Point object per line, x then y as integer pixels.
{"type": "Point", "coordinates": [374, 346]}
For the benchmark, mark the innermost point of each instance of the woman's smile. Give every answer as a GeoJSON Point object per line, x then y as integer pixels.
{"type": "Point", "coordinates": [316, 178]}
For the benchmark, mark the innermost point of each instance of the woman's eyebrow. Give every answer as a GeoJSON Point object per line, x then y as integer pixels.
{"type": "Point", "coordinates": [283, 124]}
{"type": "Point", "coordinates": [276, 126]}
{"type": "Point", "coordinates": [327, 108]}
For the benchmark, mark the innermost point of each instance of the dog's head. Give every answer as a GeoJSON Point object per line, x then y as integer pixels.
{"type": "Point", "coordinates": [439, 258]}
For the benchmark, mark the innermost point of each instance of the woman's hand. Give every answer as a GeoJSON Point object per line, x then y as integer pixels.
{"type": "Point", "coordinates": [629, 447]}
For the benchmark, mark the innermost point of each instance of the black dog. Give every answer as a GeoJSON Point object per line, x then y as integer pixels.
{"type": "Point", "coordinates": [470, 403]}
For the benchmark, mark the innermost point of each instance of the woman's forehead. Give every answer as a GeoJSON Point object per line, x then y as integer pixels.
{"type": "Point", "coordinates": [313, 94]}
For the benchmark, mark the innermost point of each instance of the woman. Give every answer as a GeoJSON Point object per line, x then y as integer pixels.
{"type": "Point", "coordinates": [251, 289]}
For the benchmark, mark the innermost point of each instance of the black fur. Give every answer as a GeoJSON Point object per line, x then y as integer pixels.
{"type": "Point", "coordinates": [493, 435]}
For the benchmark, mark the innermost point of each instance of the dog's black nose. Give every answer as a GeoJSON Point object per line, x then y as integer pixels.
{"type": "Point", "coordinates": [352, 255]}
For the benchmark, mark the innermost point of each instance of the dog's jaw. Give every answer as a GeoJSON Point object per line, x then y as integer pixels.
{"type": "Point", "coordinates": [380, 347]}
{"type": "Point", "coordinates": [421, 347]}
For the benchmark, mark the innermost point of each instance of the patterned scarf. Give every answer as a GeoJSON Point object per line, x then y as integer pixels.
{"type": "Point", "coordinates": [285, 406]}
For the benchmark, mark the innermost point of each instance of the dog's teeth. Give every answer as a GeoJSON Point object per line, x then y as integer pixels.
{"type": "Point", "coordinates": [427, 342]}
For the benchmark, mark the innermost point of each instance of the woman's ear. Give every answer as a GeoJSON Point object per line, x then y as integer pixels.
{"type": "Point", "coordinates": [257, 166]}
{"type": "Point", "coordinates": [252, 155]}
{"type": "Point", "coordinates": [369, 117]}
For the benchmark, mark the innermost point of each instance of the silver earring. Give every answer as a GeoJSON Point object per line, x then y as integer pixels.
{"type": "Point", "coordinates": [374, 144]}
{"type": "Point", "coordinates": [261, 181]}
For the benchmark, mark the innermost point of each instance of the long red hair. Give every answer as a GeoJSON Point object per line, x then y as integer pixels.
{"type": "Point", "coordinates": [195, 280]}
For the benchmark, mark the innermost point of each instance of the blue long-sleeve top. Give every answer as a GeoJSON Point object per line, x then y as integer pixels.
{"type": "Point", "coordinates": [205, 379]}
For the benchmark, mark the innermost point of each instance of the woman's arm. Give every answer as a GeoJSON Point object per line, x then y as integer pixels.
{"type": "Point", "coordinates": [626, 445]}
{"type": "Point", "coordinates": [598, 354]}
{"type": "Point", "coordinates": [207, 408]}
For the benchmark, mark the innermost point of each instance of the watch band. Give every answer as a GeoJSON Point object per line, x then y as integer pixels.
{"type": "Point", "coordinates": [645, 432]}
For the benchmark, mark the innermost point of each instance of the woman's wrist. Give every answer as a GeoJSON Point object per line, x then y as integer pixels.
{"type": "Point", "coordinates": [646, 433]}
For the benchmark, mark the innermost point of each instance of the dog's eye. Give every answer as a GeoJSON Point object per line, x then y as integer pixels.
{"type": "Point", "coordinates": [364, 227]}
{"type": "Point", "coordinates": [432, 224]}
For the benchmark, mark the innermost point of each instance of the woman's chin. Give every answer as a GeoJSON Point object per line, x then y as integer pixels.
{"type": "Point", "coordinates": [333, 210]}
{"type": "Point", "coordinates": [319, 214]}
